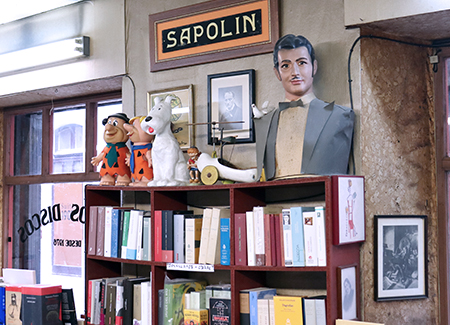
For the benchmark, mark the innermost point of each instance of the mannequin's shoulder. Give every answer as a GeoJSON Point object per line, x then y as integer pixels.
{"type": "Point", "coordinates": [331, 105]}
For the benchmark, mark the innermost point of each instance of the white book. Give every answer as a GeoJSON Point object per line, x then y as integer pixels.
{"type": "Point", "coordinates": [310, 237]}
{"type": "Point", "coordinates": [263, 311]}
{"type": "Point", "coordinates": [272, 312]}
{"type": "Point", "coordinates": [139, 248]}
{"type": "Point", "coordinates": [213, 254]}
{"type": "Point", "coordinates": [145, 303]}
{"type": "Point", "coordinates": [108, 233]}
{"type": "Point", "coordinates": [204, 241]}
{"type": "Point", "coordinates": [191, 225]}
{"type": "Point", "coordinates": [309, 311]}
{"type": "Point", "coordinates": [146, 239]}
{"type": "Point", "coordinates": [251, 257]}
{"type": "Point", "coordinates": [258, 223]}
{"type": "Point", "coordinates": [287, 237]}
{"type": "Point", "coordinates": [321, 314]}
{"type": "Point", "coordinates": [321, 238]}
{"type": "Point", "coordinates": [198, 299]}
{"type": "Point", "coordinates": [178, 238]}
{"type": "Point", "coordinates": [133, 230]}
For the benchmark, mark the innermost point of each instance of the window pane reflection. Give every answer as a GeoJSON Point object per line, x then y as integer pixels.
{"type": "Point", "coordinates": [27, 144]}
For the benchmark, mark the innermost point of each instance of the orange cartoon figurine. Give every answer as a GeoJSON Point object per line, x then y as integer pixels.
{"type": "Point", "coordinates": [114, 170]}
{"type": "Point", "coordinates": [140, 159]}
{"type": "Point", "coordinates": [194, 173]}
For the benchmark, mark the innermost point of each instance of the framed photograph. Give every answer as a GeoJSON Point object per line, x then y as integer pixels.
{"type": "Point", "coordinates": [348, 289]}
{"type": "Point", "coordinates": [230, 97]}
{"type": "Point", "coordinates": [349, 217]}
{"type": "Point", "coordinates": [401, 257]}
{"type": "Point", "coordinates": [182, 113]}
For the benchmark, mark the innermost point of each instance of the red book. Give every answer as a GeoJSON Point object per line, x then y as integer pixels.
{"type": "Point", "coordinates": [41, 304]}
{"type": "Point", "coordinates": [240, 239]}
{"type": "Point", "coordinates": [89, 303]}
{"type": "Point", "coordinates": [273, 237]}
{"type": "Point", "coordinates": [158, 236]}
{"type": "Point", "coordinates": [279, 240]}
{"type": "Point", "coordinates": [267, 240]}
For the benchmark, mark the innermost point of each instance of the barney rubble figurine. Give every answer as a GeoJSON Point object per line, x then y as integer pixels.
{"type": "Point", "coordinates": [114, 170]}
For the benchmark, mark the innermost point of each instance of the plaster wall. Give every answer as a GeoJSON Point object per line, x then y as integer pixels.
{"type": "Point", "coordinates": [398, 161]}
{"type": "Point", "coordinates": [322, 22]}
{"type": "Point", "coordinates": [366, 11]}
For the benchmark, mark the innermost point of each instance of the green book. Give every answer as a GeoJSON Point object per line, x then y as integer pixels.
{"type": "Point", "coordinates": [126, 225]}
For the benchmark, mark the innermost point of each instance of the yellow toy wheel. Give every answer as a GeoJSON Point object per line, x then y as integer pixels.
{"type": "Point", "coordinates": [209, 175]}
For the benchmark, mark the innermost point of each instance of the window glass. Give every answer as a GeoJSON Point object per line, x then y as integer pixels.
{"type": "Point", "coordinates": [27, 144]}
{"type": "Point", "coordinates": [69, 140]}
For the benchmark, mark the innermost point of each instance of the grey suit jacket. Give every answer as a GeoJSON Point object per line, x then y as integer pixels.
{"type": "Point", "coordinates": [326, 145]}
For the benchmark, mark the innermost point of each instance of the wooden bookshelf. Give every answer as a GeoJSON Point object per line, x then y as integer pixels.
{"type": "Point", "coordinates": [239, 198]}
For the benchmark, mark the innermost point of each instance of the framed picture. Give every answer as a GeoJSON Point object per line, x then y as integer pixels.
{"type": "Point", "coordinates": [348, 289]}
{"type": "Point", "coordinates": [182, 113]}
{"type": "Point", "coordinates": [401, 257]}
{"type": "Point", "coordinates": [349, 216]}
{"type": "Point", "coordinates": [230, 97]}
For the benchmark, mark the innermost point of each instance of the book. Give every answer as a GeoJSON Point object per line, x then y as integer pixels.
{"type": "Point", "coordinates": [196, 316]}
{"type": "Point", "coordinates": [129, 296]}
{"type": "Point", "coordinates": [94, 299]}
{"type": "Point", "coordinates": [251, 257]}
{"type": "Point", "coordinates": [137, 313]}
{"type": "Point", "coordinates": [204, 239]}
{"type": "Point", "coordinates": [287, 237]}
{"type": "Point", "coordinates": [92, 242]}
{"type": "Point", "coordinates": [213, 254]}
{"type": "Point", "coordinates": [158, 236]}
{"type": "Point", "coordinates": [260, 232]}
{"type": "Point", "coordinates": [125, 230]}
{"type": "Point", "coordinates": [178, 238]}
{"type": "Point", "coordinates": [314, 310]}
{"type": "Point", "coordinates": [146, 238]}
{"type": "Point", "coordinates": [267, 240]}
{"type": "Point", "coordinates": [116, 216]}
{"type": "Point", "coordinates": [41, 304]}
{"type": "Point", "coordinates": [279, 252]}
{"type": "Point", "coordinates": [288, 310]}
{"type": "Point", "coordinates": [254, 296]}
{"type": "Point", "coordinates": [161, 307]}
{"type": "Point", "coordinates": [219, 311]}
{"type": "Point", "coordinates": [146, 303]}
{"type": "Point", "coordinates": [167, 246]}
{"type": "Point", "coordinates": [263, 311]}
{"type": "Point", "coordinates": [13, 295]}
{"type": "Point", "coordinates": [197, 300]}
{"type": "Point", "coordinates": [310, 238]}
{"type": "Point", "coordinates": [321, 310]}
{"type": "Point", "coordinates": [193, 229]}
{"type": "Point", "coordinates": [273, 239]}
{"type": "Point", "coordinates": [321, 238]}
{"type": "Point", "coordinates": [225, 241]}
{"type": "Point", "coordinates": [100, 234]}
{"type": "Point", "coordinates": [2, 303]}
{"type": "Point", "coordinates": [69, 315]}
{"type": "Point", "coordinates": [240, 239]}
{"type": "Point", "coordinates": [120, 299]}
{"type": "Point", "coordinates": [139, 236]}
{"type": "Point", "coordinates": [107, 232]}
{"type": "Point", "coordinates": [271, 312]}
{"type": "Point", "coordinates": [136, 217]}
{"type": "Point", "coordinates": [110, 299]}
{"type": "Point", "coordinates": [174, 291]}
{"type": "Point", "coordinates": [298, 243]}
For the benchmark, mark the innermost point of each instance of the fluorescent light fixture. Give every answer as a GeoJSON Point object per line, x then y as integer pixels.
{"type": "Point", "coordinates": [44, 55]}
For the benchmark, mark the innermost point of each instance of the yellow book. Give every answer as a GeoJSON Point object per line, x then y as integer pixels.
{"type": "Point", "coordinates": [288, 310]}
{"type": "Point", "coordinates": [195, 317]}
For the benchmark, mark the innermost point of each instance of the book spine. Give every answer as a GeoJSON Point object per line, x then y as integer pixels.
{"type": "Point", "coordinates": [158, 236]}
{"type": "Point", "coordinates": [119, 303]}
{"type": "Point", "coordinates": [115, 220]}
{"type": "Point", "coordinates": [258, 223]}
{"type": "Point", "coordinates": [263, 311]}
{"type": "Point", "coordinates": [100, 234]}
{"type": "Point", "coordinates": [321, 239]}
{"type": "Point", "coordinates": [287, 237]}
{"type": "Point", "coordinates": [279, 239]}
{"type": "Point", "coordinates": [146, 238]}
{"type": "Point", "coordinates": [92, 242]}
{"type": "Point", "coordinates": [240, 239]}
{"type": "Point", "coordinates": [89, 303]}
{"type": "Point", "coordinates": [132, 235]}
{"type": "Point", "coordinates": [244, 302]}
{"type": "Point", "coordinates": [267, 240]}
{"type": "Point", "coordinates": [298, 243]}
{"type": "Point", "coordinates": [126, 228]}
{"type": "Point", "coordinates": [140, 227]}
{"type": "Point", "coordinates": [108, 232]}
{"type": "Point", "coordinates": [161, 307]}
{"type": "Point", "coordinates": [214, 233]}
{"type": "Point", "coordinates": [273, 239]}
{"type": "Point", "coordinates": [251, 258]}
{"type": "Point", "coordinates": [137, 313]}
{"type": "Point", "coordinates": [225, 241]}
{"type": "Point", "coordinates": [178, 238]}
{"type": "Point", "coordinates": [204, 241]}
{"type": "Point", "coordinates": [310, 238]}
{"type": "Point", "coordinates": [193, 228]}
{"type": "Point", "coordinates": [167, 233]}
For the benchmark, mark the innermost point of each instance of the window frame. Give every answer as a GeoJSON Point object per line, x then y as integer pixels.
{"type": "Point", "coordinates": [9, 180]}
{"type": "Point", "coordinates": [442, 184]}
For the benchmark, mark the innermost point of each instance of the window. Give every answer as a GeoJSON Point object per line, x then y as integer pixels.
{"type": "Point", "coordinates": [47, 167]}
{"type": "Point", "coordinates": [442, 120]}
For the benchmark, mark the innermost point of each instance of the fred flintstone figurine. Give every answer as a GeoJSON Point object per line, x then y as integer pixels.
{"type": "Point", "coordinates": [304, 135]}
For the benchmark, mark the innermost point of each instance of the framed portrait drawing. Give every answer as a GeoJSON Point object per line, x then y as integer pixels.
{"type": "Point", "coordinates": [400, 257]}
{"type": "Point", "coordinates": [348, 290]}
{"type": "Point", "coordinates": [348, 200]}
{"type": "Point", "coordinates": [182, 113]}
{"type": "Point", "coordinates": [230, 98]}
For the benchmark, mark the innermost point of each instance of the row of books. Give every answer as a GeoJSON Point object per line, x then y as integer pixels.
{"type": "Point", "coordinates": [119, 301]}
{"type": "Point", "coordinates": [272, 236]}
{"type": "Point", "coordinates": [185, 237]}
{"type": "Point", "coordinates": [262, 306]}
{"type": "Point", "coordinates": [36, 304]}
{"type": "Point", "coordinates": [119, 232]}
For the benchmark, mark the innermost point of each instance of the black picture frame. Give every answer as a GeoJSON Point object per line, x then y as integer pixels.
{"type": "Point", "coordinates": [236, 87]}
{"type": "Point", "coordinates": [401, 269]}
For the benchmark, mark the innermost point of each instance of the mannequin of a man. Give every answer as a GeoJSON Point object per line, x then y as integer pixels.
{"type": "Point", "coordinates": [304, 135]}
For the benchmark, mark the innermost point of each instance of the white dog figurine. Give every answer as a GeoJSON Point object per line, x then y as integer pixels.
{"type": "Point", "coordinates": [169, 165]}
